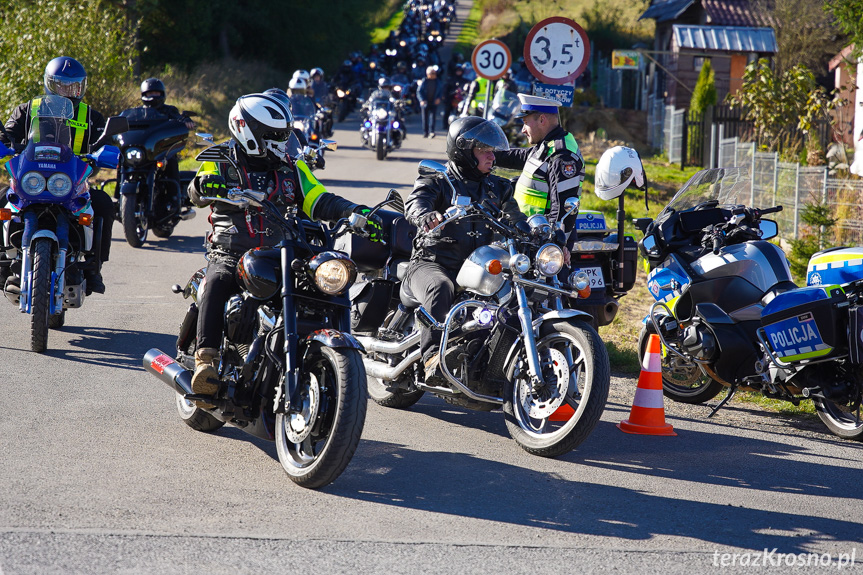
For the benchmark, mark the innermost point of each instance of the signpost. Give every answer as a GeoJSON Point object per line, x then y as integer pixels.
{"type": "Point", "coordinates": [625, 59]}
{"type": "Point", "coordinates": [556, 50]}
{"type": "Point", "coordinates": [490, 60]}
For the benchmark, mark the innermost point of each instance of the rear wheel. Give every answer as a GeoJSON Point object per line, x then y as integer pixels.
{"type": "Point", "coordinates": [682, 381]}
{"type": "Point", "coordinates": [195, 417]}
{"type": "Point", "coordinates": [841, 420]}
{"type": "Point", "coordinates": [316, 442]}
{"type": "Point", "coordinates": [163, 232]}
{"type": "Point", "coordinates": [558, 417]}
{"type": "Point", "coordinates": [392, 397]}
{"type": "Point", "coordinates": [134, 221]}
{"type": "Point", "coordinates": [40, 295]}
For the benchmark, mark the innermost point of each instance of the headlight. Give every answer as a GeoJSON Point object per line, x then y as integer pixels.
{"type": "Point", "coordinates": [340, 93]}
{"type": "Point", "coordinates": [579, 280]}
{"type": "Point", "coordinates": [519, 263]}
{"type": "Point", "coordinates": [549, 260]}
{"type": "Point", "coordinates": [332, 274]}
{"type": "Point", "coordinates": [539, 224]}
{"type": "Point", "coordinates": [381, 114]}
{"type": "Point", "coordinates": [33, 183]}
{"type": "Point", "coordinates": [134, 155]}
{"type": "Point", "coordinates": [298, 124]}
{"type": "Point", "coordinates": [59, 185]}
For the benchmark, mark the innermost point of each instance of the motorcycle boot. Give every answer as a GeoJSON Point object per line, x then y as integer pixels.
{"type": "Point", "coordinates": [95, 283]}
{"type": "Point", "coordinates": [205, 372]}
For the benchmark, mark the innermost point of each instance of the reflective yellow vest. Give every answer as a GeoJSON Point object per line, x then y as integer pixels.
{"type": "Point", "coordinates": [79, 125]}
{"type": "Point", "coordinates": [531, 190]}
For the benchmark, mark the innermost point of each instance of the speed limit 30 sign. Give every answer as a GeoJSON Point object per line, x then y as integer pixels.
{"type": "Point", "coordinates": [556, 50]}
{"type": "Point", "coordinates": [491, 59]}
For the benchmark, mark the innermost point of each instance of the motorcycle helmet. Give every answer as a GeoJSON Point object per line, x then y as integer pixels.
{"type": "Point", "coordinates": [304, 74]}
{"type": "Point", "coordinates": [297, 85]}
{"type": "Point", "coordinates": [152, 85]}
{"type": "Point", "coordinates": [617, 168]}
{"type": "Point", "coordinates": [66, 77]}
{"type": "Point", "coordinates": [470, 132]}
{"type": "Point", "coordinates": [318, 72]}
{"type": "Point", "coordinates": [384, 83]}
{"type": "Point", "coordinates": [261, 124]}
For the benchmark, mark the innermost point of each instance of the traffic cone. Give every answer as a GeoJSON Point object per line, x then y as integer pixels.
{"type": "Point", "coordinates": [648, 411]}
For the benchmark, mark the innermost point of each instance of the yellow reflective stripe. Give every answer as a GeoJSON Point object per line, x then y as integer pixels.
{"type": "Point", "coordinates": [570, 142]}
{"type": "Point", "coordinates": [208, 168]}
{"type": "Point", "coordinates": [530, 201]}
{"type": "Point", "coordinates": [312, 189]}
{"type": "Point", "coordinates": [34, 118]}
{"type": "Point", "coordinates": [80, 124]}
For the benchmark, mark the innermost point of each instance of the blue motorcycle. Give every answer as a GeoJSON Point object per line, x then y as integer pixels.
{"type": "Point", "coordinates": [50, 236]}
{"type": "Point", "coordinates": [729, 315]}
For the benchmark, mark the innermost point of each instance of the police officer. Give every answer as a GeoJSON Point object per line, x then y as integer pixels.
{"type": "Point", "coordinates": [553, 168]}
{"type": "Point", "coordinates": [66, 77]}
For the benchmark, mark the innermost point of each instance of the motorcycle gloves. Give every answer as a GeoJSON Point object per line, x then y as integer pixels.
{"type": "Point", "coordinates": [374, 225]}
{"type": "Point", "coordinates": [430, 220]}
{"type": "Point", "coordinates": [214, 185]}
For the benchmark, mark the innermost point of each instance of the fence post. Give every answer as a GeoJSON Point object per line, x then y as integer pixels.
{"type": "Point", "coordinates": [796, 200]}
{"type": "Point", "coordinates": [719, 162]}
{"type": "Point", "coordinates": [752, 178]}
{"type": "Point", "coordinates": [822, 229]}
{"type": "Point", "coordinates": [775, 174]}
{"type": "Point", "coordinates": [684, 144]}
{"type": "Point", "coordinates": [707, 137]}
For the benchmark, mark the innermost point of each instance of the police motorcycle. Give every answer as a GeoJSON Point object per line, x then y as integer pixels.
{"type": "Point", "coordinates": [381, 129]}
{"type": "Point", "coordinates": [508, 340]}
{"type": "Point", "coordinates": [729, 315]}
{"type": "Point", "coordinates": [49, 226]}
{"type": "Point", "coordinates": [148, 198]}
{"type": "Point", "coordinates": [290, 371]}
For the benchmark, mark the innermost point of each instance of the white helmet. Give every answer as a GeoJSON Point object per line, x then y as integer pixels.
{"type": "Point", "coordinates": [318, 71]}
{"type": "Point", "coordinates": [304, 74]}
{"type": "Point", "coordinates": [261, 125]}
{"type": "Point", "coordinates": [616, 169]}
{"type": "Point", "coordinates": [298, 84]}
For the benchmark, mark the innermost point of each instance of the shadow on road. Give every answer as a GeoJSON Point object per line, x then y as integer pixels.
{"type": "Point", "coordinates": [181, 244]}
{"type": "Point", "coordinates": [99, 346]}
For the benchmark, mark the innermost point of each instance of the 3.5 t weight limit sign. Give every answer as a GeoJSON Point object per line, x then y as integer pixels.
{"type": "Point", "coordinates": [556, 50]}
{"type": "Point", "coordinates": [491, 59]}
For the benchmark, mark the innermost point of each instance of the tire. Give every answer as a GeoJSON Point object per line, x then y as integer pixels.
{"type": "Point", "coordinates": [195, 417]}
{"type": "Point", "coordinates": [681, 382]}
{"type": "Point", "coordinates": [40, 295]}
{"type": "Point", "coordinates": [380, 148]}
{"type": "Point", "coordinates": [533, 429]}
{"type": "Point", "coordinates": [57, 321]}
{"type": "Point", "coordinates": [343, 111]}
{"type": "Point", "coordinates": [398, 399]}
{"type": "Point", "coordinates": [163, 232]}
{"type": "Point", "coordinates": [840, 420]}
{"type": "Point", "coordinates": [334, 398]}
{"type": "Point", "coordinates": [134, 227]}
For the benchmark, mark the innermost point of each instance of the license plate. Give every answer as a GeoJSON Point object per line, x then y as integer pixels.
{"type": "Point", "coordinates": [594, 275]}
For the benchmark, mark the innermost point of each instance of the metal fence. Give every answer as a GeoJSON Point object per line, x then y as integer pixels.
{"type": "Point", "coordinates": [794, 187]}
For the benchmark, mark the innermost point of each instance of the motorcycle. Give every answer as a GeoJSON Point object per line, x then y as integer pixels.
{"type": "Point", "coordinates": [290, 371]}
{"type": "Point", "coordinates": [381, 129]}
{"type": "Point", "coordinates": [508, 339]}
{"type": "Point", "coordinates": [148, 198]}
{"type": "Point", "coordinates": [49, 226]}
{"type": "Point", "coordinates": [729, 316]}
{"type": "Point", "coordinates": [346, 100]}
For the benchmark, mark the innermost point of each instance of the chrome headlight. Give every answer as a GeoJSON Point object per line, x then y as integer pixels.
{"type": "Point", "coordinates": [549, 260]}
{"type": "Point", "coordinates": [333, 273]}
{"type": "Point", "coordinates": [134, 156]}
{"type": "Point", "coordinates": [519, 263]}
{"type": "Point", "coordinates": [298, 124]}
{"type": "Point", "coordinates": [539, 224]}
{"type": "Point", "coordinates": [381, 114]}
{"type": "Point", "coordinates": [33, 183]}
{"type": "Point", "coordinates": [579, 280]}
{"type": "Point", "coordinates": [59, 185]}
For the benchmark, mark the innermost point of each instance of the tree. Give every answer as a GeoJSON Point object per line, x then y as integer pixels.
{"type": "Point", "coordinates": [37, 31]}
{"type": "Point", "coordinates": [849, 17]}
{"type": "Point", "coordinates": [705, 89]}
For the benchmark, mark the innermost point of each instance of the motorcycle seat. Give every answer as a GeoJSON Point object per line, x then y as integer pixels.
{"type": "Point", "coordinates": [407, 296]}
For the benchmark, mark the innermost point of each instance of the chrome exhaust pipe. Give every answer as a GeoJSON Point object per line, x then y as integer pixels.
{"type": "Point", "coordinates": [387, 372]}
{"type": "Point", "coordinates": [169, 372]}
{"type": "Point", "coordinates": [610, 310]}
{"type": "Point", "coordinates": [371, 344]}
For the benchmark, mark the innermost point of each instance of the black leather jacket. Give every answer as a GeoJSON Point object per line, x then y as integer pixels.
{"type": "Point", "coordinates": [456, 241]}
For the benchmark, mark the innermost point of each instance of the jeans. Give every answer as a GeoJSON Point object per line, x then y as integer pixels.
{"type": "Point", "coordinates": [219, 287]}
{"type": "Point", "coordinates": [434, 287]}
{"type": "Point", "coordinates": [429, 111]}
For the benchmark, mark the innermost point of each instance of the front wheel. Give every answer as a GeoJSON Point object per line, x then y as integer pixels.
{"type": "Point", "coordinates": [380, 148]}
{"type": "Point", "coordinates": [40, 295]}
{"type": "Point", "coordinates": [841, 420]}
{"type": "Point", "coordinates": [682, 381]}
{"type": "Point", "coordinates": [557, 417]}
{"type": "Point", "coordinates": [316, 442]}
{"type": "Point", "coordinates": [134, 221]}
{"type": "Point", "coordinates": [57, 320]}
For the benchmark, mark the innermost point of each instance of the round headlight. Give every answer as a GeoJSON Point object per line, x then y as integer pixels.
{"type": "Point", "coordinates": [335, 276]}
{"type": "Point", "coordinates": [381, 114]}
{"type": "Point", "coordinates": [33, 183]}
{"type": "Point", "coordinates": [579, 280]}
{"type": "Point", "coordinates": [519, 263]}
{"type": "Point", "coordinates": [549, 260]}
{"type": "Point", "coordinates": [134, 155]}
{"type": "Point", "coordinates": [59, 185]}
{"type": "Point", "coordinates": [539, 224]}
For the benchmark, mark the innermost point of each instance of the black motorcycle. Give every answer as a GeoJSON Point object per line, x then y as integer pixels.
{"type": "Point", "coordinates": [290, 371]}
{"type": "Point", "coordinates": [149, 199]}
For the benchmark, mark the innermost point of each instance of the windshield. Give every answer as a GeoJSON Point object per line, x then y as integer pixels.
{"type": "Point", "coordinates": [50, 120]}
{"type": "Point", "coordinates": [302, 107]}
{"type": "Point", "coordinates": [728, 186]}
{"type": "Point", "coordinates": [142, 114]}
{"type": "Point", "coordinates": [505, 101]}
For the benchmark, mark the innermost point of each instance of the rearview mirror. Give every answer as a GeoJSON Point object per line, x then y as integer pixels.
{"type": "Point", "coordinates": [769, 229]}
{"type": "Point", "coordinates": [430, 168]}
{"type": "Point", "coordinates": [329, 144]}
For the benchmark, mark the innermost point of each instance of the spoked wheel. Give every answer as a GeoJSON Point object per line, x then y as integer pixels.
{"type": "Point", "coordinates": [682, 381]}
{"type": "Point", "coordinates": [40, 295]}
{"type": "Point", "coordinates": [556, 417]}
{"type": "Point", "coordinates": [843, 420]}
{"type": "Point", "coordinates": [134, 221]}
{"type": "Point", "coordinates": [316, 442]}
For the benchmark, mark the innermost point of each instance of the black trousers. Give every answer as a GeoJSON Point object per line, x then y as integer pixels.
{"type": "Point", "coordinates": [434, 287]}
{"type": "Point", "coordinates": [220, 284]}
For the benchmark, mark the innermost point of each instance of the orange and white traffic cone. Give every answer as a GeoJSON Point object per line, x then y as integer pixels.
{"type": "Point", "coordinates": [647, 416]}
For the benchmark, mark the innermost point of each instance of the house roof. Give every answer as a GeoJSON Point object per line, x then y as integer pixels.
{"type": "Point", "coordinates": [719, 12]}
{"type": "Point", "coordinates": [725, 38]}
{"type": "Point", "coordinates": [662, 10]}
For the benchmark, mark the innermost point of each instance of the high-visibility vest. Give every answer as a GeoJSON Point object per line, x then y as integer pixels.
{"type": "Point", "coordinates": [531, 190]}
{"type": "Point", "coordinates": [80, 125]}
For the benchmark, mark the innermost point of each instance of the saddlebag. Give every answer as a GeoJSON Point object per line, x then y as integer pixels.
{"type": "Point", "coordinates": [370, 303]}
{"type": "Point", "coordinates": [855, 332]}
{"type": "Point", "coordinates": [807, 323]}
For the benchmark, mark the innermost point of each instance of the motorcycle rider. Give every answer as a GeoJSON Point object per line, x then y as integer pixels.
{"type": "Point", "coordinates": [319, 86]}
{"type": "Point", "coordinates": [65, 76]}
{"type": "Point", "coordinates": [261, 126]}
{"type": "Point", "coordinates": [436, 259]}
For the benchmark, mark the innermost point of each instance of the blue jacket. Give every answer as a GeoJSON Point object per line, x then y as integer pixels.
{"type": "Point", "coordinates": [421, 91]}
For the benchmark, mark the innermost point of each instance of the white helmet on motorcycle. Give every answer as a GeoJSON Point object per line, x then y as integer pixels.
{"type": "Point", "coordinates": [297, 85]}
{"type": "Point", "coordinates": [617, 168]}
{"type": "Point", "coordinates": [261, 125]}
{"type": "Point", "coordinates": [317, 71]}
{"type": "Point", "coordinates": [304, 74]}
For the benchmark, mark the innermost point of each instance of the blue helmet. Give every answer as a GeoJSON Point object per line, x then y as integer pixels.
{"type": "Point", "coordinates": [66, 77]}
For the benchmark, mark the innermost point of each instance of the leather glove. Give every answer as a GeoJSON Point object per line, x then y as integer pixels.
{"type": "Point", "coordinates": [374, 225]}
{"type": "Point", "coordinates": [430, 220]}
{"type": "Point", "coordinates": [213, 185]}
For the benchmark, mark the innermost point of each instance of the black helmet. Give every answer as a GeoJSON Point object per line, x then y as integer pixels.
{"type": "Point", "coordinates": [153, 85]}
{"type": "Point", "coordinates": [467, 133]}
{"type": "Point", "coordinates": [66, 77]}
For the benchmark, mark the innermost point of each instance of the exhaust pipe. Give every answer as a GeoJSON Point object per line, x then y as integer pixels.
{"type": "Point", "coordinates": [371, 344]}
{"type": "Point", "coordinates": [610, 310]}
{"type": "Point", "coordinates": [188, 215]}
{"type": "Point", "coordinates": [386, 372]}
{"type": "Point", "coordinates": [168, 371]}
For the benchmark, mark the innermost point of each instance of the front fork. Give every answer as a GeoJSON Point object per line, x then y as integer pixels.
{"type": "Point", "coordinates": [289, 324]}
